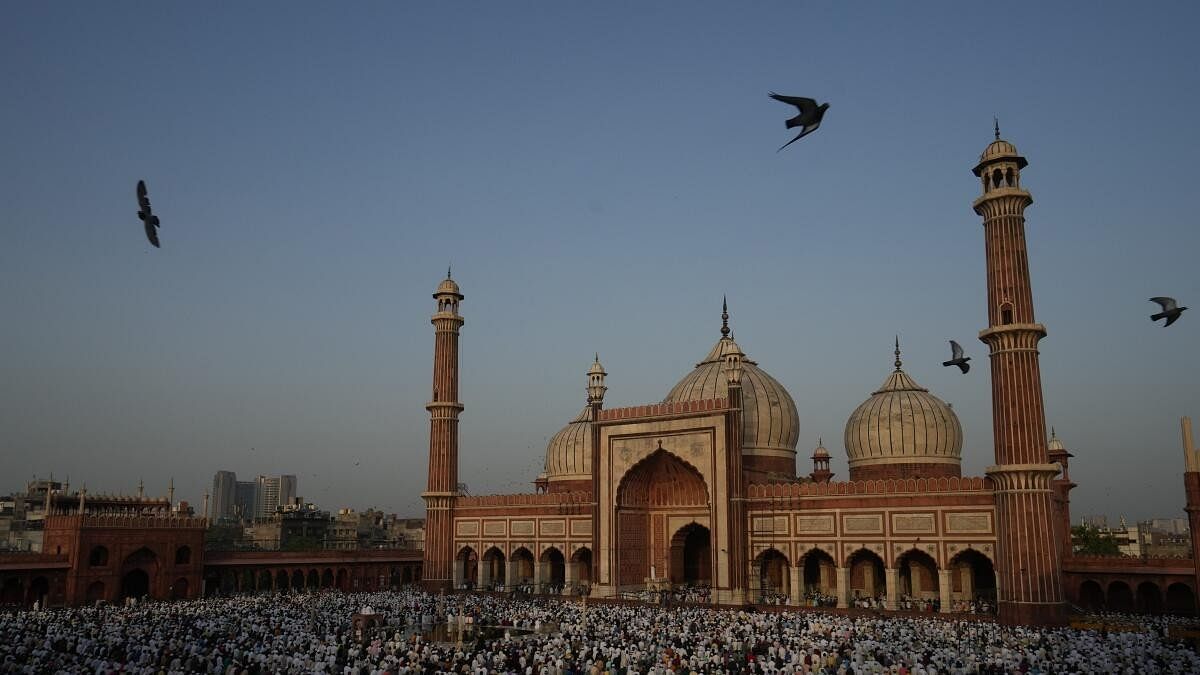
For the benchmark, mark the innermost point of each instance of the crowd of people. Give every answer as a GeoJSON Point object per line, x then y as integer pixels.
{"type": "Point", "coordinates": [313, 633]}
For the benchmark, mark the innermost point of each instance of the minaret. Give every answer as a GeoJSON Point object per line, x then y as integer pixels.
{"type": "Point", "coordinates": [171, 491]}
{"type": "Point", "coordinates": [1191, 486]}
{"type": "Point", "coordinates": [595, 392]}
{"type": "Point", "coordinates": [444, 409]}
{"type": "Point", "coordinates": [1028, 564]}
{"type": "Point", "coordinates": [735, 486]}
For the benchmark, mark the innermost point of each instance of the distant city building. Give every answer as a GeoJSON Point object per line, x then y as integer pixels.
{"type": "Point", "coordinates": [224, 496]}
{"type": "Point", "coordinates": [22, 515]}
{"type": "Point", "coordinates": [245, 499]}
{"type": "Point", "coordinates": [272, 493]}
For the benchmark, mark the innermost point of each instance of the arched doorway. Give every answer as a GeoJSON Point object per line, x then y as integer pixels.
{"type": "Point", "coordinates": [39, 591]}
{"type": "Point", "coordinates": [1180, 599]}
{"type": "Point", "coordinates": [297, 580]}
{"type": "Point", "coordinates": [314, 580]}
{"type": "Point", "coordinates": [467, 562]}
{"type": "Point", "coordinates": [554, 571]}
{"type": "Point", "coordinates": [522, 562]}
{"type": "Point", "coordinates": [659, 489]}
{"type": "Point", "coordinates": [12, 592]}
{"type": "Point", "coordinates": [866, 575]}
{"type": "Point", "coordinates": [95, 592]}
{"type": "Point", "coordinates": [343, 579]}
{"type": "Point", "coordinates": [179, 589]}
{"type": "Point", "coordinates": [691, 556]}
{"type": "Point", "coordinates": [138, 573]}
{"type": "Point", "coordinates": [820, 575]}
{"type": "Point", "coordinates": [1149, 598]}
{"type": "Point", "coordinates": [281, 581]}
{"type": "Point", "coordinates": [264, 581]}
{"type": "Point", "coordinates": [327, 578]}
{"type": "Point", "coordinates": [774, 578]}
{"type": "Point", "coordinates": [581, 563]}
{"type": "Point", "coordinates": [1091, 596]}
{"type": "Point", "coordinates": [1120, 597]}
{"type": "Point", "coordinates": [972, 579]}
{"type": "Point", "coordinates": [493, 568]}
{"type": "Point", "coordinates": [135, 584]}
{"type": "Point", "coordinates": [918, 576]}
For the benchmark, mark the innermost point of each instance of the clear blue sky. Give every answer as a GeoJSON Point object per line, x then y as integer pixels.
{"type": "Point", "coordinates": [599, 174]}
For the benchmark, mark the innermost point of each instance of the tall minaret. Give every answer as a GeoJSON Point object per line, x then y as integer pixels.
{"type": "Point", "coordinates": [443, 440]}
{"type": "Point", "coordinates": [735, 478]}
{"type": "Point", "coordinates": [1028, 562]}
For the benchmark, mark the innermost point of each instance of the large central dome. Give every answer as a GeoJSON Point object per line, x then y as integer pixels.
{"type": "Point", "coordinates": [770, 425]}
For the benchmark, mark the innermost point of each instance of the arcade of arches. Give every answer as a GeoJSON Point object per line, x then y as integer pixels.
{"type": "Point", "coordinates": [550, 572]}
{"type": "Point", "coordinates": [1130, 595]}
{"type": "Point", "coordinates": [229, 580]}
{"type": "Point", "coordinates": [817, 578]}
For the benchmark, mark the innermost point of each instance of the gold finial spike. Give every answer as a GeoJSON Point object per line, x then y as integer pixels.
{"type": "Point", "coordinates": [447, 270]}
{"type": "Point", "coordinates": [897, 352]}
{"type": "Point", "coordinates": [724, 317]}
{"type": "Point", "coordinates": [996, 126]}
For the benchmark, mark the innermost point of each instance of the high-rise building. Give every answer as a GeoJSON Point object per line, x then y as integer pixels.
{"type": "Point", "coordinates": [224, 493]}
{"type": "Point", "coordinates": [245, 499]}
{"type": "Point", "coordinates": [273, 492]}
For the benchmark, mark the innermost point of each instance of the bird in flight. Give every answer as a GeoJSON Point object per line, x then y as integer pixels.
{"type": "Point", "coordinates": [1170, 311]}
{"type": "Point", "coordinates": [957, 358]}
{"type": "Point", "coordinates": [809, 117]}
{"type": "Point", "coordinates": [148, 218]}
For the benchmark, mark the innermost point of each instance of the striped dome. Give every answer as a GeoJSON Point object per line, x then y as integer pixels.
{"type": "Point", "coordinates": [569, 455]}
{"type": "Point", "coordinates": [902, 423]}
{"type": "Point", "coordinates": [769, 419]}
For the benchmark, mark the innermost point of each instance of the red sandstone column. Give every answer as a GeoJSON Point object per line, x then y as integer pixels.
{"type": "Point", "coordinates": [1028, 564]}
{"type": "Point", "coordinates": [444, 408]}
{"type": "Point", "coordinates": [1191, 486]}
{"type": "Point", "coordinates": [739, 559]}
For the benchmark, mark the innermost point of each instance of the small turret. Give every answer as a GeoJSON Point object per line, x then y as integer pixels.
{"type": "Point", "coordinates": [820, 458]}
{"type": "Point", "coordinates": [596, 375]}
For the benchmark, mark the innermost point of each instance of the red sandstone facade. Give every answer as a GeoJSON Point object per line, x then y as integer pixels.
{"type": "Point", "coordinates": [702, 488]}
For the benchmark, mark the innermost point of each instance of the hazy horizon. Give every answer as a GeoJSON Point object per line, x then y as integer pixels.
{"type": "Point", "coordinates": [599, 176]}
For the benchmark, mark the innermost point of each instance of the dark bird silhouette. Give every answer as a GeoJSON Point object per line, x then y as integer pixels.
{"type": "Point", "coordinates": [1170, 311]}
{"type": "Point", "coordinates": [957, 358]}
{"type": "Point", "coordinates": [809, 117]}
{"type": "Point", "coordinates": [146, 214]}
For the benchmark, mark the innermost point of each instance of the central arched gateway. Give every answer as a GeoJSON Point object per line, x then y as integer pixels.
{"type": "Point", "coordinates": [662, 511]}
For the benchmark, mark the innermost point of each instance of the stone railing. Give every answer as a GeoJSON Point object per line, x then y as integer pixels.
{"type": "Point", "coordinates": [526, 499]}
{"type": "Point", "coordinates": [664, 409]}
{"type": "Point", "coordinates": [869, 487]}
{"type": "Point", "coordinates": [126, 521]}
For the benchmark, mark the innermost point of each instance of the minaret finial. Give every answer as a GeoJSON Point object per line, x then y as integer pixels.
{"type": "Point", "coordinates": [897, 352]}
{"type": "Point", "coordinates": [1052, 434]}
{"type": "Point", "coordinates": [597, 359]}
{"type": "Point", "coordinates": [448, 270]}
{"type": "Point", "coordinates": [996, 126]}
{"type": "Point", "coordinates": [724, 317]}
{"type": "Point", "coordinates": [820, 441]}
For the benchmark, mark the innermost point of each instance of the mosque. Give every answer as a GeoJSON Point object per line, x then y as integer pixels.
{"type": "Point", "coordinates": [701, 489]}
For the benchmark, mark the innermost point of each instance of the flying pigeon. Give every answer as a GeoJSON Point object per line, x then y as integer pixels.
{"type": "Point", "coordinates": [809, 117]}
{"type": "Point", "coordinates": [148, 218]}
{"type": "Point", "coordinates": [1170, 311]}
{"type": "Point", "coordinates": [957, 358]}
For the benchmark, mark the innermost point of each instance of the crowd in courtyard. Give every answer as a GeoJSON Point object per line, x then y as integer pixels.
{"type": "Point", "coordinates": [313, 633]}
